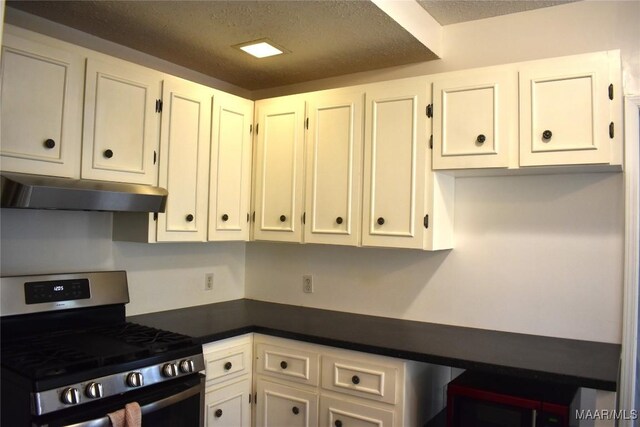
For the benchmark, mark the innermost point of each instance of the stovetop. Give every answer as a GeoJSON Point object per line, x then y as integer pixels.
{"type": "Point", "coordinates": [67, 352]}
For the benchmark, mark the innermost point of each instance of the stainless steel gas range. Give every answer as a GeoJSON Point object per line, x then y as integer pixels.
{"type": "Point", "coordinates": [69, 358]}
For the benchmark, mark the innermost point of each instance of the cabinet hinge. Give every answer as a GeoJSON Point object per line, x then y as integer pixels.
{"type": "Point", "coordinates": [155, 156]}
{"type": "Point", "coordinates": [611, 91]}
{"type": "Point", "coordinates": [426, 221]}
{"type": "Point", "coordinates": [430, 110]}
{"type": "Point", "coordinates": [250, 128]}
{"type": "Point", "coordinates": [611, 130]}
{"type": "Point", "coordinates": [155, 216]}
{"type": "Point", "coordinates": [431, 142]}
{"type": "Point", "coordinates": [304, 217]}
{"type": "Point", "coordinates": [158, 105]}
{"type": "Point", "coordinates": [306, 123]}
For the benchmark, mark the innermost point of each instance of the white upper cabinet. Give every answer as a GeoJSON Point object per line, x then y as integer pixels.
{"type": "Point", "coordinates": [41, 118]}
{"type": "Point", "coordinates": [473, 122]}
{"type": "Point", "coordinates": [401, 193]}
{"type": "Point", "coordinates": [334, 167]}
{"type": "Point", "coordinates": [120, 122]}
{"type": "Point", "coordinates": [566, 111]}
{"type": "Point", "coordinates": [279, 169]}
{"type": "Point", "coordinates": [184, 156]}
{"type": "Point", "coordinates": [230, 175]}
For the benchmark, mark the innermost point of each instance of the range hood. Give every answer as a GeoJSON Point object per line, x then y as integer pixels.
{"type": "Point", "coordinates": [44, 192]}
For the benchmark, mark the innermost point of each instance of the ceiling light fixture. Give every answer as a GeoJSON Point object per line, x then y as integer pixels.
{"type": "Point", "coordinates": [262, 48]}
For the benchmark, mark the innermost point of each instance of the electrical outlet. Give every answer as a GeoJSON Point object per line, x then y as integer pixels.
{"type": "Point", "coordinates": [307, 284]}
{"type": "Point", "coordinates": [208, 281]}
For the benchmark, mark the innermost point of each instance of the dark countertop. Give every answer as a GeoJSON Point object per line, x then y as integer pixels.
{"type": "Point", "coordinates": [581, 363]}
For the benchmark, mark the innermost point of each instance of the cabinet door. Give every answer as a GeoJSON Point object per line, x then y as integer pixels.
{"type": "Point", "coordinates": [230, 177]}
{"type": "Point", "coordinates": [278, 405]}
{"type": "Point", "coordinates": [228, 406]}
{"type": "Point", "coordinates": [184, 160]}
{"type": "Point", "coordinates": [41, 118]}
{"type": "Point", "coordinates": [340, 412]}
{"type": "Point", "coordinates": [565, 111]}
{"type": "Point", "coordinates": [394, 164]}
{"type": "Point", "coordinates": [334, 168]}
{"type": "Point", "coordinates": [279, 169]}
{"type": "Point", "coordinates": [120, 137]}
{"type": "Point", "coordinates": [474, 119]}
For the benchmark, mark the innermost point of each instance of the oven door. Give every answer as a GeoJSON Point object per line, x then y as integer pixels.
{"type": "Point", "coordinates": [178, 403]}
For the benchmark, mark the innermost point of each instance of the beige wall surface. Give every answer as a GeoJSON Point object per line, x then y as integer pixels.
{"type": "Point", "coordinates": [161, 276]}
{"type": "Point", "coordinates": [533, 254]}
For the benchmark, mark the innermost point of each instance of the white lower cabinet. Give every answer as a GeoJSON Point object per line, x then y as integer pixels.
{"type": "Point", "coordinates": [229, 406]}
{"type": "Point", "coordinates": [279, 405]}
{"type": "Point", "coordinates": [351, 388]}
{"type": "Point", "coordinates": [229, 382]}
{"type": "Point", "coordinates": [338, 412]}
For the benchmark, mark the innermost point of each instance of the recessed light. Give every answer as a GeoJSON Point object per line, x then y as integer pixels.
{"type": "Point", "coordinates": [262, 48]}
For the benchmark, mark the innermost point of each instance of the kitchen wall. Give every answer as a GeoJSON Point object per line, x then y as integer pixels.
{"type": "Point", "coordinates": [161, 276]}
{"type": "Point", "coordinates": [533, 254]}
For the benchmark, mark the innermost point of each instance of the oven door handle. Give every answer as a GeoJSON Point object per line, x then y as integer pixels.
{"type": "Point", "coordinates": [146, 409]}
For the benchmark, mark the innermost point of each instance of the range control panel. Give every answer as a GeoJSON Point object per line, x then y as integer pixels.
{"type": "Point", "coordinates": [56, 290]}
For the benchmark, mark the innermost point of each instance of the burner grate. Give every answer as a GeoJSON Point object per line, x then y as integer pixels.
{"type": "Point", "coordinates": [71, 351]}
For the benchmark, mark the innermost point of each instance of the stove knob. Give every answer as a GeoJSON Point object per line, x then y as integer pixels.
{"type": "Point", "coordinates": [135, 379]}
{"type": "Point", "coordinates": [93, 390]}
{"type": "Point", "coordinates": [186, 366]}
{"type": "Point", "coordinates": [70, 396]}
{"type": "Point", "coordinates": [169, 370]}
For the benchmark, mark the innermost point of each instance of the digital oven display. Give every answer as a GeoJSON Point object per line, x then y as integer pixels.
{"type": "Point", "coordinates": [59, 290]}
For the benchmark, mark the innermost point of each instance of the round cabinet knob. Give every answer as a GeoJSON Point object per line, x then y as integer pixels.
{"type": "Point", "coordinates": [135, 379]}
{"type": "Point", "coordinates": [295, 410]}
{"type": "Point", "coordinates": [338, 423]}
{"type": "Point", "coordinates": [70, 396]}
{"type": "Point", "coordinates": [225, 217]}
{"type": "Point", "coordinates": [547, 134]}
{"type": "Point", "coordinates": [189, 218]}
{"type": "Point", "coordinates": [481, 139]}
{"type": "Point", "coordinates": [283, 365]}
{"type": "Point", "coordinates": [339, 220]}
{"type": "Point", "coordinates": [380, 221]}
{"type": "Point", "coordinates": [169, 370]}
{"type": "Point", "coordinates": [228, 366]}
{"type": "Point", "coordinates": [186, 366]}
{"type": "Point", "coordinates": [108, 154]}
{"type": "Point", "coordinates": [49, 143]}
{"type": "Point", "coordinates": [355, 379]}
{"type": "Point", "coordinates": [283, 218]}
{"type": "Point", "coordinates": [218, 413]}
{"type": "Point", "coordinates": [93, 390]}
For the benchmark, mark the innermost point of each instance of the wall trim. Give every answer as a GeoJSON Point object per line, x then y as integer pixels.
{"type": "Point", "coordinates": [627, 385]}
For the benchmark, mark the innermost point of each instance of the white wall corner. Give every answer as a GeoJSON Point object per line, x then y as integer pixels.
{"type": "Point", "coordinates": [417, 21]}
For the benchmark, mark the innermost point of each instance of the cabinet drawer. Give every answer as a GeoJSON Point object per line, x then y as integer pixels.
{"type": "Point", "coordinates": [340, 412]}
{"type": "Point", "coordinates": [360, 378]}
{"type": "Point", "coordinates": [223, 365]}
{"type": "Point", "coordinates": [292, 364]}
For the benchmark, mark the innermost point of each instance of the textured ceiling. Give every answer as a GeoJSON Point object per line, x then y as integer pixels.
{"type": "Point", "coordinates": [454, 11]}
{"type": "Point", "coordinates": [326, 38]}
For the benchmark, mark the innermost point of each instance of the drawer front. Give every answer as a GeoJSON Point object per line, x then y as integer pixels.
{"type": "Point", "coordinates": [360, 378]}
{"type": "Point", "coordinates": [292, 364]}
{"type": "Point", "coordinates": [340, 412]}
{"type": "Point", "coordinates": [228, 363]}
